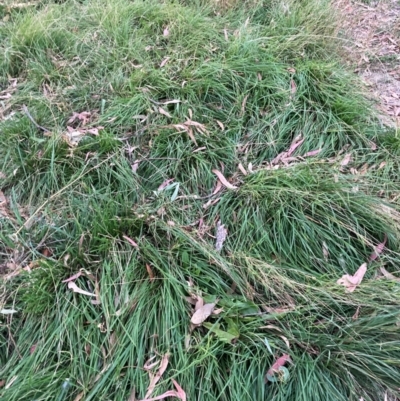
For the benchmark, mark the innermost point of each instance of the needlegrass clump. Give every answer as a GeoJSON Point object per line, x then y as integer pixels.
{"type": "Point", "coordinates": [134, 137]}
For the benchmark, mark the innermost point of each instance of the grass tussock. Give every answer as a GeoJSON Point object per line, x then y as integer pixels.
{"type": "Point", "coordinates": [114, 116]}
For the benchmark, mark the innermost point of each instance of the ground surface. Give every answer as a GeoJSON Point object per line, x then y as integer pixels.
{"type": "Point", "coordinates": [374, 32]}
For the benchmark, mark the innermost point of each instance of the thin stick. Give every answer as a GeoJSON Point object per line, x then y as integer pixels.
{"type": "Point", "coordinates": [26, 111]}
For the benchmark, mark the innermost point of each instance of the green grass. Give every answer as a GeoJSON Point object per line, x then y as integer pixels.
{"type": "Point", "coordinates": [253, 76]}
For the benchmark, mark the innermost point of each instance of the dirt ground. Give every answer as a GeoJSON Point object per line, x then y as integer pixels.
{"type": "Point", "coordinates": [373, 33]}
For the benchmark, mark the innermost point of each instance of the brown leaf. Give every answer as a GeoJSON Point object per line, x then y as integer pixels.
{"type": "Point", "coordinates": [158, 375]}
{"type": "Point", "coordinates": [178, 393]}
{"type": "Point", "coordinates": [220, 236]}
{"type": "Point", "coordinates": [281, 361]}
{"type": "Point", "coordinates": [243, 108]}
{"type": "Point", "coordinates": [388, 275]}
{"type": "Point", "coordinates": [164, 184]}
{"type": "Point", "coordinates": [165, 61]}
{"type": "Point", "coordinates": [221, 125]}
{"type": "Point", "coordinates": [378, 250]}
{"type": "Point", "coordinates": [346, 160]}
{"type": "Point", "coordinates": [351, 282]}
{"type": "Point", "coordinates": [163, 112]}
{"type": "Point", "coordinates": [202, 313]}
{"type": "Point", "coordinates": [223, 180]}
{"type": "Point", "coordinates": [199, 303]}
{"type": "Point", "coordinates": [79, 396]}
{"type": "Point", "coordinates": [312, 153]}
{"type": "Point", "coordinates": [217, 188]}
{"type": "Point", "coordinates": [150, 272]}
{"type": "Point", "coordinates": [72, 278]}
{"type": "Point", "coordinates": [131, 241]}
{"type": "Point", "coordinates": [242, 169]}
{"type": "Point", "coordinates": [135, 166]}
{"type": "Point", "coordinates": [293, 87]}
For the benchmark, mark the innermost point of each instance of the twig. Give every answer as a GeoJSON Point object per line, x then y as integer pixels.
{"type": "Point", "coordinates": [26, 111]}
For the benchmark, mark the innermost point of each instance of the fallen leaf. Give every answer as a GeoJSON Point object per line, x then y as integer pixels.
{"type": "Point", "coordinates": [325, 250]}
{"type": "Point", "coordinates": [351, 282]}
{"type": "Point", "coordinates": [7, 311]}
{"type": "Point", "coordinates": [297, 141]}
{"type": "Point", "coordinates": [135, 166]}
{"type": "Point", "coordinates": [179, 390]}
{"type": "Point", "coordinates": [32, 349]}
{"type": "Point", "coordinates": [293, 87]}
{"type": "Point", "coordinates": [243, 108]}
{"type": "Point", "coordinates": [163, 112]}
{"type": "Point", "coordinates": [217, 188]}
{"type": "Point", "coordinates": [221, 125]}
{"type": "Point", "coordinates": [165, 61]}
{"type": "Point", "coordinates": [388, 275]}
{"type": "Point", "coordinates": [202, 313]}
{"type": "Point", "coordinates": [166, 32]}
{"type": "Point", "coordinates": [79, 396]}
{"type": "Point", "coordinates": [281, 361]}
{"type": "Point", "coordinates": [150, 272]}
{"type": "Point", "coordinates": [178, 393]}
{"type": "Point", "coordinates": [223, 180]}
{"type": "Point", "coordinates": [242, 169]}
{"type": "Point", "coordinates": [312, 153]}
{"type": "Point", "coordinates": [346, 160]}
{"type": "Point", "coordinates": [83, 117]}
{"type": "Point", "coordinates": [158, 375]}
{"type": "Point", "coordinates": [378, 250]}
{"type": "Point", "coordinates": [164, 184]}
{"type": "Point", "coordinates": [131, 241]}
{"type": "Point", "coordinates": [72, 286]}
{"type": "Point", "coordinates": [3, 199]}
{"type": "Point", "coordinates": [2, 383]}
{"type": "Point", "coordinates": [72, 278]}
{"type": "Point", "coordinates": [220, 236]}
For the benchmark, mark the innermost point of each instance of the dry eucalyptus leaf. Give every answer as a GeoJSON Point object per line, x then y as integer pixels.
{"type": "Point", "coordinates": [202, 313]}
{"type": "Point", "coordinates": [378, 250]}
{"type": "Point", "coordinates": [72, 286]}
{"type": "Point", "coordinates": [223, 180]}
{"type": "Point", "coordinates": [158, 375]}
{"type": "Point", "coordinates": [221, 235]}
{"type": "Point", "coordinates": [351, 282]}
{"type": "Point", "coordinates": [388, 275]}
{"type": "Point", "coordinates": [346, 160]}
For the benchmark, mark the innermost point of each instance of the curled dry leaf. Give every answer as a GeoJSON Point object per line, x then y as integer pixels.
{"type": "Point", "coordinates": [293, 87]}
{"type": "Point", "coordinates": [388, 275]}
{"type": "Point", "coordinates": [150, 272]}
{"type": "Point", "coordinates": [281, 361]}
{"type": "Point", "coordinates": [221, 235]}
{"type": "Point", "coordinates": [72, 286]}
{"type": "Point", "coordinates": [165, 184]}
{"type": "Point", "coordinates": [164, 112]}
{"type": "Point", "coordinates": [346, 160]}
{"type": "Point", "coordinates": [178, 393]}
{"type": "Point", "coordinates": [131, 241]}
{"type": "Point", "coordinates": [242, 169]}
{"type": "Point", "coordinates": [312, 153]}
{"type": "Point", "coordinates": [378, 250]}
{"type": "Point", "coordinates": [221, 125]}
{"type": "Point", "coordinates": [158, 375]}
{"type": "Point", "coordinates": [223, 180]}
{"type": "Point", "coordinates": [202, 313]}
{"type": "Point", "coordinates": [164, 62]}
{"type": "Point", "coordinates": [351, 282]}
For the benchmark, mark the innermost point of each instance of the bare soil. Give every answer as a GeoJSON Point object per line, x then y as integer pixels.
{"type": "Point", "coordinates": [372, 32]}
